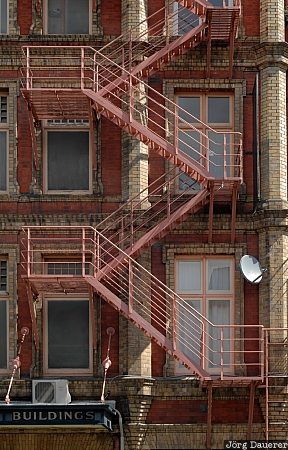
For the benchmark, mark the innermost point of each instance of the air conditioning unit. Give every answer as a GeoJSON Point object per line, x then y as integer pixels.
{"type": "Point", "coordinates": [50, 391]}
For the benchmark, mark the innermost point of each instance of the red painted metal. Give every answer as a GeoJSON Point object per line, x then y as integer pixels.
{"type": "Point", "coordinates": [154, 308]}
{"type": "Point", "coordinates": [192, 205]}
{"type": "Point", "coordinates": [276, 379]}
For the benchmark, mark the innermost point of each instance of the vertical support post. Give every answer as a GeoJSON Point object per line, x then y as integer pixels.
{"type": "Point", "coordinates": [92, 317]}
{"type": "Point", "coordinates": [222, 352]}
{"type": "Point", "coordinates": [176, 128]}
{"type": "Point", "coordinates": [131, 225]}
{"type": "Point", "coordinates": [233, 216]}
{"type": "Point", "coordinates": [28, 80]}
{"type": "Point", "coordinates": [211, 212]}
{"type": "Point", "coordinates": [202, 346]}
{"type": "Point", "coordinates": [209, 417]}
{"type": "Point", "coordinates": [82, 84]}
{"type": "Point", "coordinates": [130, 275]}
{"type": "Point", "coordinates": [96, 253]}
{"type": "Point", "coordinates": [266, 385]}
{"type": "Point", "coordinates": [131, 99]}
{"type": "Point", "coordinates": [174, 325]}
{"type": "Point", "coordinates": [95, 74]}
{"type": "Point", "coordinates": [251, 410]}
{"type": "Point", "coordinates": [83, 252]}
{"type": "Point", "coordinates": [224, 156]}
{"type": "Point", "coordinates": [28, 253]}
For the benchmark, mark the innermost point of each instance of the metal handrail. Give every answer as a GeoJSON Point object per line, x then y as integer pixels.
{"type": "Point", "coordinates": [193, 334]}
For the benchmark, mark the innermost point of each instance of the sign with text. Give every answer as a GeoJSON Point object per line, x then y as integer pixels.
{"type": "Point", "coordinates": [76, 414]}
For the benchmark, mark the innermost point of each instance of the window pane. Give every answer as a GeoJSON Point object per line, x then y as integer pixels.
{"type": "Point", "coordinates": [189, 331]}
{"type": "Point", "coordinates": [68, 334]}
{"type": "Point", "coordinates": [3, 16]}
{"type": "Point", "coordinates": [219, 314]}
{"type": "Point", "coordinates": [192, 106]}
{"type": "Point", "coordinates": [216, 2]}
{"type": "Point", "coordinates": [218, 144]}
{"type": "Point", "coordinates": [68, 17]}
{"type": "Point", "coordinates": [189, 276]}
{"type": "Point", "coordinates": [218, 110]}
{"type": "Point", "coordinates": [77, 16]}
{"type": "Point", "coordinates": [71, 268]}
{"type": "Point", "coordinates": [68, 160]}
{"type": "Point", "coordinates": [219, 275]}
{"type": "Point", "coordinates": [3, 161]}
{"type": "Point", "coordinates": [3, 334]}
{"type": "Point", "coordinates": [186, 20]}
{"type": "Point", "coordinates": [189, 143]}
{"type": "Point", "coordinates": [3, 276]}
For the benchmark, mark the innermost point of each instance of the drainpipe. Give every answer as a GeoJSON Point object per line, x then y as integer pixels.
{"type": "Point", "coordinates": [257, 144]}
{"type": "Point", "coordinates": [120, 429]}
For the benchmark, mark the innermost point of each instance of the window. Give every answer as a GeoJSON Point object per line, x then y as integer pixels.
{"type": "Point", "coordinates": [205, 123]}
{"type": "Point", "coordinates": [3, 16]}
{"type": "Point", "coordinates": [67, 341]}
{"type": "Point", "coordinates": [206, 284]}
{"type": "Point", "coordinates": [3, 315]}
{"type": "Point", "coordinates": [3, 334]}
{"type": "Point", "coordinates": [184, 20]}
{"type": "Point", "coordinates": [3, 276]}
{"type": "Point", "coordinates": [3, 144]}
{"type": "Point", "coordinates": [67, 161]}
{"type": "Point", "coordinates": [68, 16]}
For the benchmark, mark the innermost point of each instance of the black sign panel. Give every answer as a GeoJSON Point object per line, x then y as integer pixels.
{"type": "Point", "coordinates": [75, 414]}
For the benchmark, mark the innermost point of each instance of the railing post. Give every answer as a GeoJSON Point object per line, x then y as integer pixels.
{"type": "Point", "coordinates": [168, 198]}
{"type": "Point", "coordinates": [96, 253]}
{"type": "Point", "coordinates": [202, 347]}
{"type": "Point", "coordinates": [83, 252]}
{"type": "Point", "coordinates": [225, 156]}
{"type": "Point", "coordinates": [95, 74]}
{"type": "Point", "coordinates": [132, 225]}
{"type": "Point", "coordinates": [131, 99]}
{"type": "Point", "coordinates": [130, 287]}
{"type": "Point", "coordinates": [82, 68]}
{"type": "Point", "coordinates": [222, 352]}
{"type": "Point", "coordinates": [262, 354]}
{"type": "Point", "coordinates": [174, 324]}
{"type": "Point", "coordinates": [28, 253]}
{"type": "Point", "coordinates": [28, 81]}
{"type": "Point", "coordinates": [176, 128]}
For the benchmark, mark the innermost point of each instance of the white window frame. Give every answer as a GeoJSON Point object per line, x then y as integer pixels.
{"type": "Point", "coordinates": [61, 127]}
{"type": "Point", "coordinates": [65, 371]}
{"type": "Point", "coordinates": [204, 296]}
{"type": "Point", "coordinates": [203, 125]}
{"type": "Point", "coordinates": [45, 20]}
{"type": "Point", "coordinates": [4, 296]}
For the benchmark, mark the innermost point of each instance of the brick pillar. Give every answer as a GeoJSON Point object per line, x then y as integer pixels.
{"type": "Point", "coordinates": [273, 136]}
{"type": "Point", "coordinates": [134, 15]}
{"type": "Point", "coordinates": [272, 21]}
{"type": "Point", "coordinates": [273, 307]}
{"type": "Point", "coordinates": [135, 347]}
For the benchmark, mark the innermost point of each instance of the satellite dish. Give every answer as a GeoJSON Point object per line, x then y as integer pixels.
{"type": "Point", "coordinates": [251, 269]}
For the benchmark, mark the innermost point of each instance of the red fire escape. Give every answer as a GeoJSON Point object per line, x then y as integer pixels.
{"type": "Point", "coordinates": [78, 82]}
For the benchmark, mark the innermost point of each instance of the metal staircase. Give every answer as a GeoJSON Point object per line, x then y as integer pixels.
{"type": "Point", "coordinates": [276, 384]}
{"type": "Point", "coordinates": [61, 82]}
{"type": "Point", "coordinates": [144, 300]}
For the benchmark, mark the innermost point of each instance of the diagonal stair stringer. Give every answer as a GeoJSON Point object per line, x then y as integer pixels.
{"type": "Point", "coordinates": [146, 327]}
{"type": "Point", "coordinates": [152, 64]}
{"type": "Point", "coordinates": [145, 135]}
{"type": "Point", "coordinates": [158, 231]}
